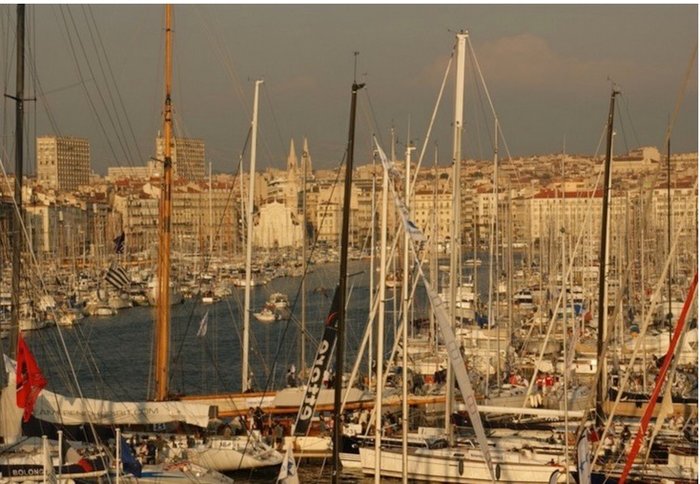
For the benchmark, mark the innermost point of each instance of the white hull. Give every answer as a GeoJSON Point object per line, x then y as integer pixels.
{"type": "Point", "coordinates": [461, 465]}
{"type": "Point", "coordinates": [224, 454]}
{"type": "Point", "coordinates": [104, 311]}
{"type": "Point", "coordinates": [309, 444]}
{"type": "Point", "coordinates": [225, 459]}
{"type": "Point", "coordinates": [176, 473]}
{"type": "Point", "coordinates": [265, 317]}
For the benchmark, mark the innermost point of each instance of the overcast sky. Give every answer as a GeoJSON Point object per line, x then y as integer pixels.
{"type": "Point", "coordinates": [97, 72]}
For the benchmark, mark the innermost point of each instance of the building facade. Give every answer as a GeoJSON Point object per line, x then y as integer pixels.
{"type": "Point", "coordinates": [187, 155]}
{"type": "Point", "coordinates": [62, 162]}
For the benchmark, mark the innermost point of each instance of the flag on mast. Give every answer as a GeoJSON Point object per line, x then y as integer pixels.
{"type": "Point", "coordinates": [30, 380]}
{"type": "Point", "coordinates": [288, 470]}
{"type": "Point", "coordinates": [119, 243]}
{"type": "Point", "coordinates": [202, 331]}
{"type": "Point", "coordinates": [117, 276]}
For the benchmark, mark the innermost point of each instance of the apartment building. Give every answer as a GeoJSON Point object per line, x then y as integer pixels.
{"type": "Point", "coordinates": [62, 162]}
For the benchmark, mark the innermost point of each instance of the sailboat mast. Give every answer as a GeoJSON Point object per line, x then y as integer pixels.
{"type": "Point", "coordinates": [404, 336]}
{"type": "Point", "coordinates": [342, 288]}
{"type": "Point", "coordinates": [211, 217]}
{"type": "Point", "coordinates": [302, 336]}
{"type": "Point", "coordinates": [162, 331]}
{"type": "Point", "coordinates": [603, 261]}
{"type": "Point", "coordinates": [669, 316]}
{"type": "Point", "coordinates": [456, 205]}
{"type": "Point", "coordinates": [245, 384]}
{"type": "Point", "coordinates": [19, 174]}
{"type": "Point", "coordinates": [381, 294]}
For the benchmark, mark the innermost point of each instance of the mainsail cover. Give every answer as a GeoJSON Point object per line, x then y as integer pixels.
{"type": "Point", "coordinates": [323, 356]}
{"type": "Point", "coordinates": [443, 319]}
{"type": "Point", "coordinates": [61, 409]}
{"type": "Point", "coordinates": [56, 408]}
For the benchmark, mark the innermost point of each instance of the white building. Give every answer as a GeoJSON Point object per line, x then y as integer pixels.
{"type": "Point", "coordinates": [277, 226]}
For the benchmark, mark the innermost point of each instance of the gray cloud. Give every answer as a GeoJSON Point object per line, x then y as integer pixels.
{"type": "Point", "coordinates": [546, 66]}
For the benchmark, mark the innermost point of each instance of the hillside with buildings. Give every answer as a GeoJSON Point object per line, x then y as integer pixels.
{"type": "Point", "coordinates": [72, 211]}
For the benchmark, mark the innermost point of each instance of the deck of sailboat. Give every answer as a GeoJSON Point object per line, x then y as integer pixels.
{"type": "Point", "coordinates": [235, 404]}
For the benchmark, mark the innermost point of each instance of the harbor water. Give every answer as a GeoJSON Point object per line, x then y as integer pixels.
{"type": "Point", "coordinates": [111, 357]}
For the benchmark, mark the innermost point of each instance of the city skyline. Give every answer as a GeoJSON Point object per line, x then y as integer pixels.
{"type": "Point", "coordinates": [548, 70]}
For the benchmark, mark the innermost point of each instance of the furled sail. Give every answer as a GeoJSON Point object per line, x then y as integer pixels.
{"type": "Point", "coordinates": [443, 319]}
{"type": "Point", "coordinates": [61, 409]}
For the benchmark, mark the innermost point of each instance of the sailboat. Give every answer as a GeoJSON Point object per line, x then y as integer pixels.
{"type": "Point", "coordinates": [267, 314]}
{"type": "Point", "coordinates": [25, 458]}
{"type": "Point", "coordinates": [439, 459]}
{"type": "Point", "coordinates": [221, 453]}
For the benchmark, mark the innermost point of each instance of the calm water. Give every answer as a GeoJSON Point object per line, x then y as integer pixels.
{"type": "Point", "coordinates": [111, 357]}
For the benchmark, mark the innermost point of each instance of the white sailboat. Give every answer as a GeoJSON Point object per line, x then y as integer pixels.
{"type": "Point", "coordinates": [267, 314]}
{"type": "Point", "coordinates": [440, 460]}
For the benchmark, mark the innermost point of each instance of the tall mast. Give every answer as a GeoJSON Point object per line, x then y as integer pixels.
{"type": "Point", "coordinates": [342, 288]}
{"type": "Point", "coordinates": [211, 217]}
{"type": "Point", "coordinates": [162, 331]}
{"type": "Point", "coordinates": [456, 203]}
{"type": "Point", "coordinates": [669, 316]}
{"type": "Point", "coordinates": [372, 263]}
{"type": "Point", "coordinates": [249, 243]}
{"type": "Point", "coordinates": [603, 262]}
{"type": "Point", "coordinates": [404, 336]}
{"type": "Point", "coordinates": [381, 294]}
{"type": "Point", "coordinates": [302, 336]}
{"type": "Point", "coordinates": [19, 174]}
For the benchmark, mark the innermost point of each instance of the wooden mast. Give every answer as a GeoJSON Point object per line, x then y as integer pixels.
{"type": "Point", "coordinates": [162, 331]}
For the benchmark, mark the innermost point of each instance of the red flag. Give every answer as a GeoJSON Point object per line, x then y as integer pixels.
{"type": "Point", "coordinates": [30, 381]}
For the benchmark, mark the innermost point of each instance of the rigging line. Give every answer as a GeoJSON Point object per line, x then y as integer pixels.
{"type": "Point", "coordinates": [41, 97]}
{"type": "Point", "coordinates": [654, 301]}
{"type": "Point", "coordinates": [669, 384]}
{"type": "Point", "coordinates": [121, 133]}
{"type": "Point", "coordinates": [370, 117]}
{"type": "Point", "coordinates": [433, 117]}
{"type": "Point", "coordinates": [266, 93]}
{"type": "Point", "coordinates": [228, 63]}
{"type": "Point", "coordinates": [118, 133]}
{"type": "Point", "coordinates": [313, 247]}
{"type": "Point", "coordinates": [681, 94]}
{"type": "Point", "coordinates": [557, 305]}
{"type": "Point", "coordinates": [629, 116]}
{"type": "Point", "coordinates": [9, 28]}
{"type": "Point", "coordinates": [475, 107]}
{"type": "Point", "coordinates": [34, 263]}
{"type": "Point", "coordinates": [488, 96]}
{"type": "Point", "coordinates": [81, 77]}
{"type": "Point", "coordinates": [116, 86]}
{"type": "Point", "coordinates": [622, 129]}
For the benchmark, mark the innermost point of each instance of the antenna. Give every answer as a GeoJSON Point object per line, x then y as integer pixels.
{"type": "Point", "coordinates": [354, 73]}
